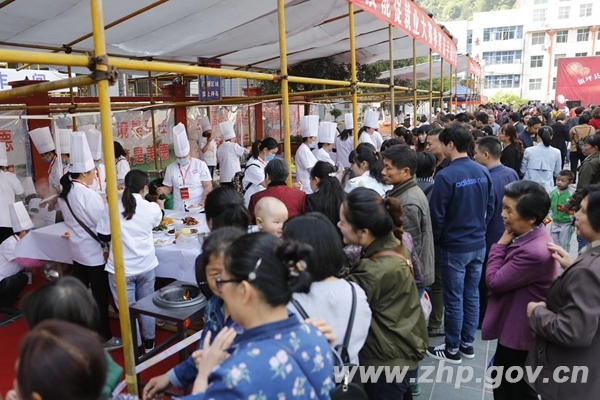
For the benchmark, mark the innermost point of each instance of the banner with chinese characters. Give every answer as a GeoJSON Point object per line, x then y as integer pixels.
{"type": "Point", "coordinates": [407, 16]}
{"type": "Point", "coordinates": [133, 129]}
{"type": "Point", "coordinates": [10, 75]}
{"type": "Point", "coordinates": [209, 87]}
{"type": "Point", "coordinates": [474, 68]}
{"type": "Point", "coordinates": [13, 132]}
{"type": "Point", "coordinates": [578, 79]}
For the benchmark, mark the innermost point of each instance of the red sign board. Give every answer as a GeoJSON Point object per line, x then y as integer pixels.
{"type": "Point", "coordinates": [474, 68]}
{"type": "Point", "coordinates": [413, 21]}
{"type": "Point", "coordinates": [578, 79]}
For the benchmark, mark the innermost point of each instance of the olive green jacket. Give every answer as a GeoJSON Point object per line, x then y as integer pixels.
{"type": "Point", "coordinates": [398, 333]}
{"type": "Point", "coordinates": [589, 174]}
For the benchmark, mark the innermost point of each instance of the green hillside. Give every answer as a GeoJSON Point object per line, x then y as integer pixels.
{"type": "Point", "coordinates": [453, 10]}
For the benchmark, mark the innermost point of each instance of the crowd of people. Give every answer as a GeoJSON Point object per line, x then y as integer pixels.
{"type": "Point", "coordinates": [343, 263]}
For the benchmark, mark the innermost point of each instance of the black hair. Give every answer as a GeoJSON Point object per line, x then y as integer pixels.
{"type": "Point", "coordinates": [579, 110]}
{"type": "Point", "coordinates": [426, 164]}
{"type": "Point", "coordinates": [487, 130]}
{"type": "Point", "coordinates": [492, 145]}
{"type": "Point", "coordinates": [482, 117]}
{"type": "Point", "coordinates": [274, 268]}
{"type": "Point", "coordinates": [546, 134]}
{"type": "Point", "coordinates": [462, 117]}
{"type": "Point", "coordinates": [330, 196]}
{"type": "Point", "coordinates": [135, 180]}
{"type": "Point", "coordinates": [254, 149]}
{"type": "Point", "coordinates": [435, 132]}
{"type": "Point", "coordinates": [534, 121]}
{"type": "Point", "coordinates": [476, 133]}
{"type": "Point", "coordinates": [593, 140]}
{"type": "Point", "coordinates": [365, 209]}
{"type": "Point", "coordinates": [119, 150]}
{"type": "Point", "coordinates": [532, 199]}
{"type": "Point", "coordinates": [66, 299]}
{"type": "Point", "coordinates": [584, 119]}
{"type": "Point", "coordinates": [366, 152]}
{"type": "Point", "coordinates": [225, 207]}
{"type": "Point", "coordinates": [214, 245]}
{"type": "Point", "coordinates": [402, 156]}
{"type": "Point", "coordinates": [327, 258]}
{"type": "Point", "coordinates": [592, 192]}
{"type": "Point", "coordinates": [260, 145]}
{"type": "Point", "coordinates": [66, 183]}
{"type": "Point", "coordinates": [459, 135]}
{"type": "Point", "coordinates": [514, 117]}
{"type": "Point", "coordinates": [277, 170]}
{"type": "Point", "coordinates": [424, 129]}
{"type": "Point", "coordinates": [567, 174]}
{"type": "Point", "coordinates": [451, 117]}
{"type": "Point", "coordinates": [346, 133]}
{"type": "Point", "coordinates": [390, 142]}
{"type": "Point", "coordinates": [154, 185]}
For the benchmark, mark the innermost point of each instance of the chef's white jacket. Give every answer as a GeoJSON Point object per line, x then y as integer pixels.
{"type": "Point", "coordinates": [189, 176]}
{"type": "Point", "coordinates": [366, 180]}
{"type": "Point", "coordinates": [10, 186]}
{"type": "Point", "coordinates": [366, 137]}
{"type": "Point", "coordinates": [305, 160]}
{"type": "Point", "coordinates": [210, 157]}
{"type": "Point", "coordinates": [322, 155]}
{"type": "Point", "coordinates": [254, 175]}
{"type": "Point", "coordinates": [8, 267]}
{"type": "Point", "coordinates": [228, 155]}
{"type": "Point", "coordinates": [123, 168]}
{"type": "Point", "coordinates": [343, 148]}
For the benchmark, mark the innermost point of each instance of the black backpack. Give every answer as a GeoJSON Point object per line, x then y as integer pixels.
{"type": "Point", "coordinates": [238, 179]}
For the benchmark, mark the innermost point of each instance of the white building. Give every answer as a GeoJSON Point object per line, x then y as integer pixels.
{"type": "Point", "coordinates": [518, 48]}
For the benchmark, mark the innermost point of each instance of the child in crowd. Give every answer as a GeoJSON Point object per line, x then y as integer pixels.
{"type": "Point", "coordinates": [271, 214]}
{"type": "Point", "coordinates": [561, 228]}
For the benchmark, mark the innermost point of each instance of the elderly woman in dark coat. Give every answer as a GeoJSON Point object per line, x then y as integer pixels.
{"type": "Point", "coordinates": [567, 344]}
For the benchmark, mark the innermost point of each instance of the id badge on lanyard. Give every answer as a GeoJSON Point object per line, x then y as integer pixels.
{"type": "Point", "coordinates": [185, 193]}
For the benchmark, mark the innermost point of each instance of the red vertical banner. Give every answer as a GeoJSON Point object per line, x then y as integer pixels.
{"type": "Point", "coordinates": [474, 68]}
{"type": "Point", "coordinates": [407, 16]}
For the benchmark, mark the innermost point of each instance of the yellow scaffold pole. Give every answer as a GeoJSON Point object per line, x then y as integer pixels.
{"type": "Point", "coordinates": [353, 73]}
{"type": "Point", "coordinates": [111, 193]}
{"type": "Point", "coordinates": [22, 91]}
{"type": "Point", "coordinates": [431, 109]}
{"type": "Point", "coordinates": [285, 96]}
{"type": "Point", "coordinates": [415, 93]}
{"type": "Point", "coordinates": [392, 91]}
{"type": "Point", "coordinates": [442, 85]}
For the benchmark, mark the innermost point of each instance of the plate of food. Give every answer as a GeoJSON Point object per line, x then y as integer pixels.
{"type": "Point", "coordinates": [160, 229]}
{"type": "Point", "coordinates": [190, 222]}
{"type": "Point", "coordinates": [166, 221]}
{"type": "Point", "coordinates": [195, 209]}
{"type": "Point", "coordinates": [162, 242]}
{"type": "Point", "coordinates": [170, 232]}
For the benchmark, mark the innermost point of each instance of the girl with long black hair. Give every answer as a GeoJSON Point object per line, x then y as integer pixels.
{"type": "Point", "coordinates": [328, 193]}
{"type": "Point", "coordinates": [367, 169]}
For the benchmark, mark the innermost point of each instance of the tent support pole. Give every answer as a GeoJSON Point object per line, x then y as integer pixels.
{"type": "Point", "coordinates": [442, 85]}
{"type": "Point", "coordinates": [112, 195]}
{"type": "Point", "coordinates": [72, 96]}
{"type": "Point", "coordinates": [456, 84]}
{"type": "Point", "coordinates": [431, 109]}
{"type": "Point", "coordinates": [285, 96]}
{"type": "Point", "coordinates": [392, 91]}
{"type": "Point", "coordinates": [415, 93]}
{"type": "Point", "coordinates": [150, 89]}
{"type": "Point", "coordinates": [450, 94]}
{"type": "Point", "coordinates": [353, 73]}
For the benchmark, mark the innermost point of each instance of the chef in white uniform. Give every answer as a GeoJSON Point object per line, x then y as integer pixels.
{"type": "Point", "coordinates": [208, 146]}
{"type": "Point", "coordinates": [254, 174]}
{"type": "Point", "coordinates": [94, 138]}
{"type": "Point", "coordinates": [370, 124]}
{"type": "Point", "coordinates": [344, 142]}
{"type": "Point", "coordinates": [229, 153]}
{"type": "Point", "coordinates": [327, 131]}
{"type": "Point", "coordinates": [304, 158]}
{"type": "Point", "coordinates": [10, 187]}
{"type": "Point", "coordinates": [187, 178]}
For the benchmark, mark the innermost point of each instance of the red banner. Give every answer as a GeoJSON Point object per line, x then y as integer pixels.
{"type": "Point", "coordinates": [578, 79]}
{"type": "Point", "coordinates": [413, 21]}
{"type": "Point", "coordinates": [474, 68]}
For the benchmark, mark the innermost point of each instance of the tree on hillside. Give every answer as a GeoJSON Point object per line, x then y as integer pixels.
{"type": "Point", "coordinates": [452, 10]}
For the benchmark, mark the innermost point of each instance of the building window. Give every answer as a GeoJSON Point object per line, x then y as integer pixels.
{"type": "Point", "coordinates": [563, 12]}
{"type": "Point", "coordinates": [501, 81]}
{"type": "Point", "coordinates": [584, 54]}
{"type": "Point", "coordinates": [583, 35]}
{"type": "Point", "coordinates": [436, 57]}
{"type": "Point", "coordinates": [503, 33]}
{"type": "Point", "coordinates": [469, 41]}
{"type": "Point", "coordinates": [539, 15]}
{"type": "Point", "coordinates": [535, 84]}
{"type": "Point", "coordinates": [562, 36]}
{"type": "Point", "coordinates": [538, 38]}
{"type": "Point", "coordinates": [536, 62]}
{"type": "Point", "coordinates": [502, 57]}
{"type": "Point", "coordinates": [553, 83]}
{"type": "Point", "coordinates": [540, 1]}
{"type": "Point", "coordinates": [598, 53]}
{"type": "Point", "coordinates": [556, 57]}
{"type": "Point", "coordinates": [585, 10]}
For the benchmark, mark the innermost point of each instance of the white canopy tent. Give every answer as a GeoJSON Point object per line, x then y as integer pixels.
{"type": "Point", "coordinates": [423, 70]}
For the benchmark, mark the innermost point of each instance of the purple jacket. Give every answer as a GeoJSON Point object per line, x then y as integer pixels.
{"type": "Point", "coordinates": [517, 274]}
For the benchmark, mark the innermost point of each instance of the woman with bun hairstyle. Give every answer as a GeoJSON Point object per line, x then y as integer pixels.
{"type": "Point", "coordinates": [398, 333]}
{"type": "Point", "coordinates": [367, 166]}
{"type": "Point", "coordinates": [276, 355]}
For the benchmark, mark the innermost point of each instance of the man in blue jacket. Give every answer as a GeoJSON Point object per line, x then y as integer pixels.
{"type": "Point", "coordinates": [462, 204]}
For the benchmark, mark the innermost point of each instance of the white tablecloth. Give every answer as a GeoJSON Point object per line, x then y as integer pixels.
{"type": "Point", "coordinates": [173, 261]}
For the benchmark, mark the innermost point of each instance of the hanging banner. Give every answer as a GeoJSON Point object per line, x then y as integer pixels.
{"type": "Point", "coordinates": [13, 132]}
{"type": "Point", "coordinates": [209, 87]}
{"type": "Point", "coordinates": [407, 16]}
{"type": "Point", "coordinates": [11, 75]}
{"type": "Point", "coordinates": [474, 68]}
{"type": "Point", "coordinates": [577, 81]}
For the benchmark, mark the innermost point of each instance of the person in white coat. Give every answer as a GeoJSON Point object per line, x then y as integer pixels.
{"type": "Point", "coordinates": [121, 164]}
{"type": "Point", "coordinates": [82, 209]}
{"type": "Point", "coordinates": [10, 187]}
{"type": "Point", "coordinates": [229, 153]}
{"type": "Point", "coordinates": [263, 151]}
{"type": "Point", "coordinates": [344, 142]}
{"type": "Point", "coordinates": [304, 157]}
{"type": "Point", "coordinates": [542, 163]}
{"type": "Point", "coordinates": [327, 131]}
{"type": "Point", "coordinates": [370, 125]}
{"type": "Point", "coordinates": [137, 218]}
{"type": "Point", "coordinates": [94, 138]}
{"type": "Point", "coordinates": [367, 169]}
{"type": "Point", "coordinates": [188, 178]}
{"type": "Point", "coordinates": [208, 146]}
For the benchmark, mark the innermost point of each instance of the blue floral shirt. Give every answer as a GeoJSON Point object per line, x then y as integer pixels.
{"type": "Point", "coordinates": [281, 360]}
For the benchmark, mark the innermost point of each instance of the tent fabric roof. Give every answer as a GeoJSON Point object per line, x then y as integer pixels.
{"type": "Point", "coordinates": [423, 70]}
{"type": "Point", "coordinates": [238, 32]}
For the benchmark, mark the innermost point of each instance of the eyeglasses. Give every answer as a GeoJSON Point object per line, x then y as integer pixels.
{"type": "Point", "coordinates": [220, 282]}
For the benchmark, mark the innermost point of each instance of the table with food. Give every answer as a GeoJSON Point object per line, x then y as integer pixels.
{"type": "Point", "coordinates": [176, 251]}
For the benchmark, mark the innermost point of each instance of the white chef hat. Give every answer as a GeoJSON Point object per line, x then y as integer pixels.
{"type": "Point", "coordinates": [42, 138]}
{"type": "Point", "coordinates": [63, 137]}
{"type": "Point", "coordinates": [19, 218]}
{"type": "Point", "coordinates": [327, 131]}
{"type": "Point", "coordinates": [94, 139]}
{"type": "Point", "coordinates": [310, 126]}
{"type": "Point", "coordinates": [227, 130]}
{"type": "Point", "coordinates": [3, 155]}
{"type": "Point", "coordinates": [371, 119]}
{"type": "Point", "coordinates": [349, 121]}
{"type": "Point", "coordinates": [81, 156]}
{"type": "Point", "coordinates": [181, 142]}
{"type": "Point", "coordinates": [205, 124]}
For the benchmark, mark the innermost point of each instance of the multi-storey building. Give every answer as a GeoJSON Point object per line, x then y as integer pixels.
{"type": "Point", "coordinates": [519, 48]}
